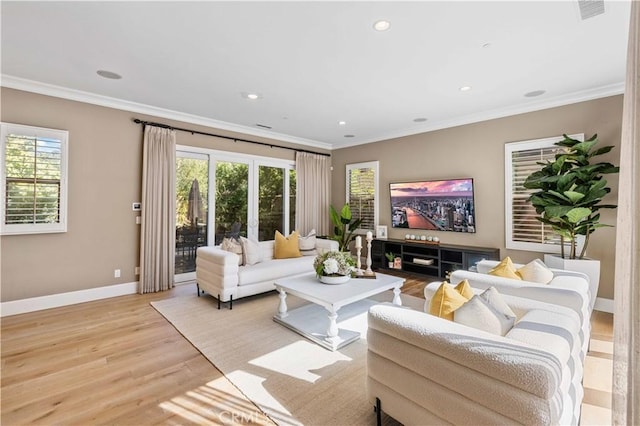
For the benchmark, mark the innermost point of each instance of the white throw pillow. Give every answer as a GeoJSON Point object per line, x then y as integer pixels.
{"type": "Point", "coordinates": [477, 313]}
{"type": "Point", "coordinates": [251, 251]}
{"type": "Point", "coordinates": [234, 246]}
{"type": "Point", "coordinates": [495, 299]}
{"type": "Point", "coordinates": [536, 271]}
{"type": "Point", "coordinates": [307, 245]}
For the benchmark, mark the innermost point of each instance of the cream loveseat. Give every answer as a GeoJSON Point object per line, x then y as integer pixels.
{"type": "Point", "coordinates": [218, 272]}
{"type": "Point", "coordinates": [422, 369]}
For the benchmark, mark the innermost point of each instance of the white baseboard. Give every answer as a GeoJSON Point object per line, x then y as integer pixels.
{"type": "Point", "coordinates": [33, 304]}
{"type": "Point", "coordinates": [603, 305]}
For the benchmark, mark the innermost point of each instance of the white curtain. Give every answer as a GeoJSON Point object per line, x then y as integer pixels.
{"type": "Point", "coordinates": [313, 194]}
{"type": "Point", "coordinates": [158, 235]}
{"type": "Point", "coordinates": [626, 317]}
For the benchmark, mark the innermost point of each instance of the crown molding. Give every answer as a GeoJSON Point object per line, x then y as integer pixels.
{"type": "Point", "coordinates": [572, 98]}
{"type": "Point", "coordinates": [92, 98]}
{"type": "Point", "coordinates": [18, 83]}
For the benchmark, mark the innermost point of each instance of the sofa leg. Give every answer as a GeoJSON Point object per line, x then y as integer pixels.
{"type": "Point", "coordinates": [231, 302]}
{"type": "Point", "coordinates": [218, 301]}
{"type": "Point", "coordinates": [198, 289]}
{"type": "Point", "coordinates": [378, 410]}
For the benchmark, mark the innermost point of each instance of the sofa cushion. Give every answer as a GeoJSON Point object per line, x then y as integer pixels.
{"type": "Point", "coordinates": [535, 271]}
{"type": "Point", "coordinates": [268, 270]}
{"type": "Point", "coordinates": [286, 247]}
{"type": "Point", "coordinates": [479, 314]}
{"type": "Point", "coordinates": [551, 331]}
{"type": "Point", "coordinates": [505, 269]}
{"type": "Point", "coordinates": [232, 245]}
{"type": "Point", "coordinates": [251, 251]}
{"type": "Point", "coordinates": [446, 300]}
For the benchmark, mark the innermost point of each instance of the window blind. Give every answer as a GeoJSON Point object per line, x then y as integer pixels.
{"type": "Point", "coordinates": [33, 184]}
{"type": "Point", "coordinates": [525, 226]}
{"type": "Point", "coordinates": [523, 231]}
{"type": "Point", "coordinates": [362, 193]}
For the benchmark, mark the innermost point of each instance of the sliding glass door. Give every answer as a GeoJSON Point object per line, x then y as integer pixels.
{"type": "Point", "coordinates": [239, 194]}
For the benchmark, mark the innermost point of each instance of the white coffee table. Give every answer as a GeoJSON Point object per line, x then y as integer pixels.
{"type": "Point", "coordinates": [311, 321]}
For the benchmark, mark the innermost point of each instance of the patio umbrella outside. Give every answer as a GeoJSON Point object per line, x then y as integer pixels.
{"type": "Point", "coordinates": [194, 205]}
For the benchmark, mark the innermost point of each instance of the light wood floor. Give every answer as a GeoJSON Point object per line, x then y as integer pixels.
{"type": "Point", "coordinates": [117, 361]}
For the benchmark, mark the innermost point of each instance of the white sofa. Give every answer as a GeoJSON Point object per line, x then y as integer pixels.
{"type": "Point", "coordinates": [218, 273]}
{"type": "Point", "coordinates": [567, 288]}
{"type": "Point", "coordinates": [422, 369]}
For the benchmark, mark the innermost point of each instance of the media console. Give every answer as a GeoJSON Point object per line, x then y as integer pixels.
{"type": "Point", "coordinates": [429, 259]}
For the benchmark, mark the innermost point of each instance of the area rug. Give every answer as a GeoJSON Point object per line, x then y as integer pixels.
{"type": "Point", "coordinates": [291, 379]}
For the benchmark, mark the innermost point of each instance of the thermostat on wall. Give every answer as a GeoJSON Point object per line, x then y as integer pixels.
{"type": "Point", "coordinates": [136, 207]}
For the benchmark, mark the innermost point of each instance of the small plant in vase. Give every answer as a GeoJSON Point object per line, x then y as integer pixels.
{"type": "Point", "coordinates": [390, 257]}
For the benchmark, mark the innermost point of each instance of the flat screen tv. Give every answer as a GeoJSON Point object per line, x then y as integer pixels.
{"type": "Point", "coordinates": [437, 205]}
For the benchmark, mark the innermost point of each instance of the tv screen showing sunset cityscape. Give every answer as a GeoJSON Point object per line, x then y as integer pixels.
{"type": "Point", "coordinates": [439, 205]}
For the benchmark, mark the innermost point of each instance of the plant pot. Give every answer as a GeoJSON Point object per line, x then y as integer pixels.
{"type": "Point", "coordinates": [589, 267]}
{"type": "Point", "coordinates": [338, 279]}
{"type": "Point", "coordinates": [390, 265]}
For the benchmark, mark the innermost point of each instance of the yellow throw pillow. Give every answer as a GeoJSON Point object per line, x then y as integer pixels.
{"type": "Point", "coordinates": [505, 269]}
{"type": "Point", "coordinates": [445, 301]}
{"type": "Point", "coordinates": [286, 247]}
{"type": "Point", "coordinates": [464, 288]}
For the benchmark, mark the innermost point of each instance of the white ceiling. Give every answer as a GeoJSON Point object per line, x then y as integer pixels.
{"type": "Point", "coordinates": [317, 63]}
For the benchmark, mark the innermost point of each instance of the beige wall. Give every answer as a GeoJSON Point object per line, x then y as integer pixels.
{"type": "Point", "coordinates": [477, 151]}
{"type": "Point", "coordinates": [105, 158]}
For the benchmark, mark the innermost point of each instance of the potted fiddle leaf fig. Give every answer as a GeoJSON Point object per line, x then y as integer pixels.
{"type": "Point", "coordinates": [344, 226]}
{"type": "Point", "coordinates": [570, 191]}
{"type": "Point", "coordinates": [569, 195]}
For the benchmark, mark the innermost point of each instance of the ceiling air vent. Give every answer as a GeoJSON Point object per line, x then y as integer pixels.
{"type": "Point", "coordinates": [263, 126]}
{"type": "Point", "coordinates": [590, 8]}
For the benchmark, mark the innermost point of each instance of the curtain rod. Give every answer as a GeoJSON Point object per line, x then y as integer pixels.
{"type": "Point", "coordinates": [193, 132]}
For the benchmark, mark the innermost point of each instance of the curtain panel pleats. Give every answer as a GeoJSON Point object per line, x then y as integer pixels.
{"type": "Point", "coordinates": [626, 317]}
{"type": "Point", "coordinates": [157, 237]}
{"type": "Point", "coordinates": [313, 194]}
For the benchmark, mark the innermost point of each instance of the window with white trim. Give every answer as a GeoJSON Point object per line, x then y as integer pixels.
{"type": "Point", "coordinates": [522, 230]}
{"type": "Point", "coordinates": [362, 193]}
{"type": "Point", "coordinates": [34, 180]}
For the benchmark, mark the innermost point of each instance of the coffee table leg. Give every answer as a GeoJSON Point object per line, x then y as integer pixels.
{"type": "Point", "coordinates": [282, 307]}
{"type": "Point", "coordinates": [396, 296]}
{"type": "Point", "coordinates": [332, 331]}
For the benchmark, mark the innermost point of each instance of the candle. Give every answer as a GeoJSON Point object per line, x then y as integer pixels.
{"type": "Point", "coordinates": [369, 236]}
{"type": "Point", "coordinates": [358, 242]}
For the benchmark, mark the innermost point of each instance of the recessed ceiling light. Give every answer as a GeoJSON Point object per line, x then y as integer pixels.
{"type": "Point", "coordinates": [109, 74]}
{"type": "Point", "coordinates": [349, 136]}
{"type": "Point", "coordinates": [420, 119]}
{"type": "Point", "coordinates": [342, 123]}
{"type": "Point", "coordinates": [486, 45]}
{"type": "Point", "coordinates": [535, 93]}
{"type": "Point", "coordinates": [382, 25]}
{"type": "Point", "coordinates": [465, 88]}
{"type": "Point", "coordinates": [251, 96]}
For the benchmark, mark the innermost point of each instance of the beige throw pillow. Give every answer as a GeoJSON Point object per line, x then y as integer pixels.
{"type": "Point", "coordinates": [477, 313]}
{"type": "Point", "coordinates": [536, 271]}
{"type": "Point", "coordinates": [251, 250]}
{"type": "Point", "coordinates": [307, 244]}
{"type": "Point", "coordinates": [234, 246]}
{"type": "Point", "coordinates": [495, 299]}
